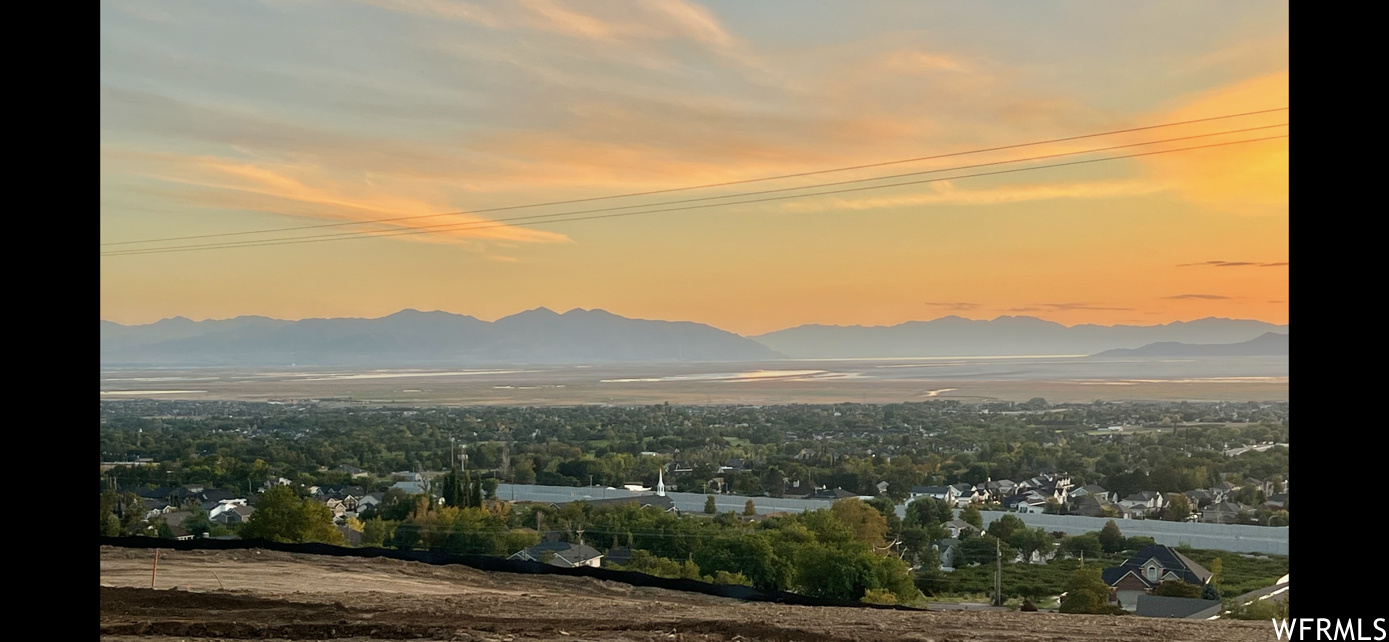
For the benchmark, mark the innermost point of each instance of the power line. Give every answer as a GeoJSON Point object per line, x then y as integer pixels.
{"type": "Point", "coordinates": [708, 185]}
{"type": "Point", "coordinates": [533, 217]}
{"type": "Point", "coordinates": [507, 223]}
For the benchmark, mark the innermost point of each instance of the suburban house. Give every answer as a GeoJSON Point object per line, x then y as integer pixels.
{"type": "Point", "coordinates": [1223, 490]}
{"type": "Point", "coordinates": [1176, 607]}
{"type": "Point", "coordinates": [949, 550]}
{"type": "Point", "coordinates": [223, 506]}
{"type": "Point", "coordinates": [619, 556]}
{"type": "Point", "coordinates": [1146, 569]}
{"type": "Point", "coordinates": [966, 495]}
{"type": "Point", "coordinates": [1095, 506]}
{"type": "Point", "coordinates": [562, 554]}
{"type": "Point", "coordinates": [1224, 513]}
{"type": "Point", "coordinates": [733, 465]}
{"type": "Point", "coordinates": [958, 527]}
{"type": "Point", "coordinates": [1028, 502]}
{"type": "Point", "coordinates": [1200, 498]}
{"type": "Point", "coordinates": [175, 522]}
{"type": "Point", "coordinates": [1090, 490]}
{"type": "Point", "coordinates": [236, 514]}
{"type": "Point", "coordinates": [943, 493]}
{"type": "Point", "coordinates": [1144, 502]}
{"type": "Point", "coordinates": [1000, 489]}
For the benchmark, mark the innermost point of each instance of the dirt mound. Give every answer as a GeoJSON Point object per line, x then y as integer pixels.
{"type": "Point", "coordinates": [233, 595]}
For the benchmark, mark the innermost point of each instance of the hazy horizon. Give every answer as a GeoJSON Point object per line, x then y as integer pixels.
{"type": "Point", "coordinates": [810, 323]}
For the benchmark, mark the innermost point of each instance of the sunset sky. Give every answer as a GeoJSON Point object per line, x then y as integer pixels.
{"type": "Point", "coordinates": [246, 116]}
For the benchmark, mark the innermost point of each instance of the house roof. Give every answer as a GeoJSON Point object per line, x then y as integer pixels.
{"type": "Point", "coordinates": [565, 553]}
{"type": "Point", "coordinates": [930, 490]}
{"type": "Point", "coordinates": [620, 555]}
{"type": "Point", "coordinates": [960, 524]}
{"type": "Point", "coordinates": [946, 544]}
{"type": "Point", "coordinates": [1168, 558]}
{"type": "Point", "coordinates": [1175, 607]}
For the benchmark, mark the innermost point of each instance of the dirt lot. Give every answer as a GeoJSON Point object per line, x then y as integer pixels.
{"type": "Point", "coordinates": [222, 595]}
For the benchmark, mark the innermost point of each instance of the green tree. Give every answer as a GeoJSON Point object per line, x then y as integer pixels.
{"type": "Point", "coordinates": [1085, 545]}
{"type": "Point", "coordinates": [930, 579]}
{"type": "Point", "coordinates": [888, 509]}
{"type": "Point", "coordinates": [1029, 540]}
{"type": "Point", "coordinates": [1111, 540]}
{"type": "Point", "coordinates": [1004, 527]}
{"type": "Point", "coordinates": [749, 508]}
{"type": "Point", "coordinates": [709, 506]}
{"type": "Point", "coordinates": [971, 515]}
{"type": "Point", "coordinates": [868, 524]}
{"type": "Point", "coordinates": [282, 516]}
{"type": "Point", "coordinates": [1179, 509]}
{"type": "Point", "coordinates": [1177, 588]}
{"type": "Point", "coordinates": [405, 536]}
{"type": "Point", "coordinates": [878, 596]}
{"type": "Point", "coordinates": [1086, 592]}
{"type": "Point", "coordinates": [198, 524]}
{"type": "Point", "coordinates": [927, 512]}
{"type": "Point", "coordinates": [475, 492]}
{"type": "Point", "coordinates": [110, 525]}
{"type": "Point", "coordinates": [376, 531]}
{"type": "Point", "coordinates": [985, 549]}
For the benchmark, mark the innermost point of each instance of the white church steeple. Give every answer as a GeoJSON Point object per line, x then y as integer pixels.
{"type": "Point", "coordinates": [661, 483]}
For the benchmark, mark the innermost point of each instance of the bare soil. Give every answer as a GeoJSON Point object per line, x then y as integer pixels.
{"type": "Point", "coordinates": [234, 595]}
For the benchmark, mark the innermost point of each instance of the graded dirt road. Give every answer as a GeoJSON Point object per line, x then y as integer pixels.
{"type": "Point", "coordinates": [202, 596]}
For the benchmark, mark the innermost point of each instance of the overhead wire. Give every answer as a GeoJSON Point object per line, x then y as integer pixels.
{"type": "Point", "coordinates": [486, 224]}
{"type": "Point", "coordinates": [708, 185]}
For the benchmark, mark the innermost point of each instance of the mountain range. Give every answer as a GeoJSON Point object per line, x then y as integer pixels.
{"type": "Point", "coordinates": [414, 337]}
{"type": "Point", "coordinates": [954, 336]}
{"type": "Point", "coordinates": [582, 336]}
{"type": "Point", "coordinates": [1268, 344]}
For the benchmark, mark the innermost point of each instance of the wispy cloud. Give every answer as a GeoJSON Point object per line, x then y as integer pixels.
{"type": "Point", "coordinates": [954, 306]}
{"type": "Point", "coordinates": [1082, 306]}
{"type": "Point", "coordinates": [1203, 297]}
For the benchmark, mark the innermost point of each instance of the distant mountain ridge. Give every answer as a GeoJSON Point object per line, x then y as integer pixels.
{"type": "Point", "coordinates": [1005, 335]}
{"type": "Point", "coordinates": [577, 336]}
{"type": "Point", "coordinates": [1269, 344]}
{"type": "Point", "coordinates": [414, 337]}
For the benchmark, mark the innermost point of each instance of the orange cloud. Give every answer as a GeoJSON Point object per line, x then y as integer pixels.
{"type": "Point", "coordinates": [309, 191]}
{"type": "Point", "coordinates": [1244, 179]}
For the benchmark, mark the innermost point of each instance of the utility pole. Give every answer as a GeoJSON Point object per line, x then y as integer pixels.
{"type": "Point", "coordinates": [998, 576]}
